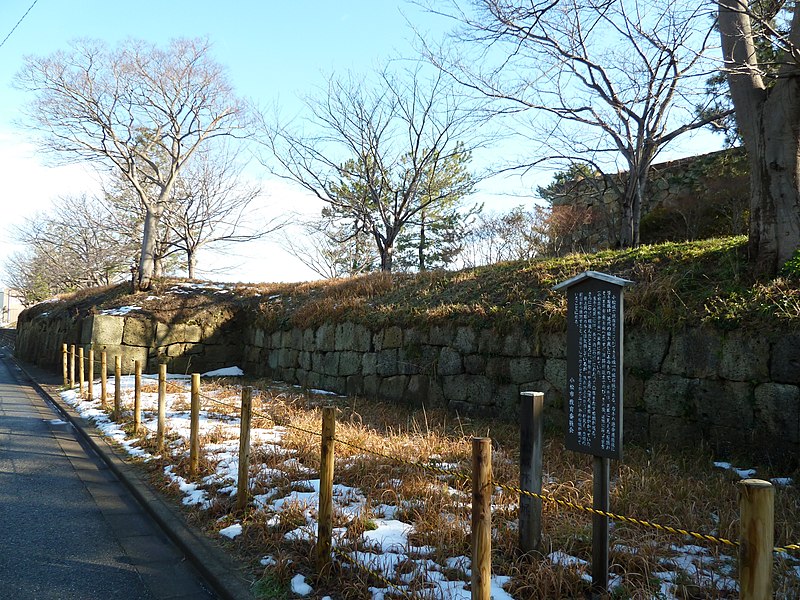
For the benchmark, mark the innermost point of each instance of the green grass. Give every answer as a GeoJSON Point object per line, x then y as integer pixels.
{"type": "Point", "coordinates": [676, 284]}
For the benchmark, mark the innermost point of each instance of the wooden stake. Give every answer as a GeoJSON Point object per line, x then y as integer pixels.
{"type": "Point", "coordinates": [90, 363]}
{"type": "Point", "coordinates": [64, 363]}
{"type": "Point", "coordinates": [162, 405]}
{"type": "Point", "coordinates": [194, 427]}
{"type": "Point", "coordinates": [531, 445]}
{"type": "Point", "coordinates": [243, 488]}
{"type": "Point", "coordinates": [325, 525]}
{"type": "Point", "coordinates": [117, 386]}
{"type": "Point", "coordinates": [72, 365]}
{"type": "Point", "coordinates": [81, 376]}
{"type": "Point", "coordinates": [481, 518]}
{"type": "Point", "coordinates": [103, 379]}
{"type": "Point", "coordinates": [137, 396]}
{"type": "Point", "coordinates": [756, 526]}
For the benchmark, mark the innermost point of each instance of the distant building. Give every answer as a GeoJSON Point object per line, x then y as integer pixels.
{"type": "Point", "coordinates": [10, 306]}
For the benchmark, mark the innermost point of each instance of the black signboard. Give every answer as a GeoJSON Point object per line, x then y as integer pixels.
{"type": "Point", "coordinates": [594, 364]}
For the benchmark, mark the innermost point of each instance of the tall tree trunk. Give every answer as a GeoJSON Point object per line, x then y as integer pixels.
{"type": "Point", "coordinates": [147, 258]}
{"type": "Point", "coordinates": [422, 241]}
{"type": "Point", "coordinates": [191, 260]}
{"type": "Point", "coordinates": [768, 120]}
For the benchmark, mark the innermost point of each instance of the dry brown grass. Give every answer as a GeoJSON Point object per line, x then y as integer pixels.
{"type": "Point", "coordinates": [379, 449]}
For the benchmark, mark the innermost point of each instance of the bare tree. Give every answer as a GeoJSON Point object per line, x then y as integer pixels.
{"type": "Point", "coordinates": [519, 234]}
{"type": "Point", "coordinates": [606, 83]}
{"type": "Point", "coordinates": [210, 207]}
{"type": "Point", "coordinates": [139, 110]}
{"type": "Point", "coordinates": [332, 249]}
{"type": "Point", "coordinates": [767, 103]}
{"type": "Point", "coordinates": [72, 246]}
{"type": "Point", "coordinates": [372, 152]}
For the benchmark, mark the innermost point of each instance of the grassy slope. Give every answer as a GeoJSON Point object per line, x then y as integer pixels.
{"type": "Point", "coordinates": [676, 284]}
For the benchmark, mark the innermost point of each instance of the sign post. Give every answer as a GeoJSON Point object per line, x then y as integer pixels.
{"type": "Point", "coordinates": [594, 390]}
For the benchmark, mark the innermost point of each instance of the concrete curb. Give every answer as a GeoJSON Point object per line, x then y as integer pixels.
{"type": "Point", "coordinates": [212, 562]}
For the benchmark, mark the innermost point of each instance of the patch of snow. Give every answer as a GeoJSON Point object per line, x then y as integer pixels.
{"type": "Point", "coordinates": [224, 372]}
{"type": "Point", "coordinates": [120, 311]}
{"type": "Point", "coordinates": [232, 531]}
{"type": "Point", "coordinates": [300, 587]}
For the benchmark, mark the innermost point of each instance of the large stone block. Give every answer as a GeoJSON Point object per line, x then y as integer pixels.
{"type": "Point", "coordinates": [355, 385]}
{"type": "Point", "coordinates": [449, 362]}
{"type": "Point", "coordinates": [526, 369]}
{"type": "Point", "coordinates": [349, 363]}
{"type": "Point", "coordinates": [170, 333]}
{"type": "Point", "coordinates": [386, 362]}
{"type": "Point", "coordinates": [466, 342]}
{"type": "Point", "coordinates": [107, 330]}
{"type": "Point", "coordinates": [369, 363]}
{"type": "Point", "coordinates": [519, 343]}
{"type": "Point", "coordinates": [192, 333]}
{"type": "Point", "coordinates": [694, 353]}
{"type": "Point", "coordinates": [489, 342]}
{"type": "Point", "coordinates": [727, 404]}
{"type": "Point", "coordinates": [777, 411]}
{"type": "Point", "coordinates": [417, 389]}
{"type": "Point", "coordinates": [326, 337]}
{"type": "Point", "coordinates": [553, 344]}
{"type": "Point", "coordinates": [555, 371]}
{"type": "Point", "coordinates": [785, 366]}
{"type": "Point", "coordinates": [670, 395]}
{"type": "Point", "coordinates": [674, 432]}
{"type": "Point", "coordinates": [362, 339]}
{"type": "Point", "coordinates": [309, 340]}
{"type": "Point", "coordinates": [475, 364]}
{"type": "Point", "coordinates": [392, 337]}
{"type": "Point", "coordinates": [330, 364]}
{"type": "Point", "coordinates": [745, 357]}
{"type": "Point", "coordinates": [645, 350]}
{"type": "Point", "coordinates": [393, 388]}
{"type": "Point", "coordinates": [441, 335]}
{"type": "Point", "coordinates": [138, 332]}
{"type": "Point", "coordinates": [344, 336]}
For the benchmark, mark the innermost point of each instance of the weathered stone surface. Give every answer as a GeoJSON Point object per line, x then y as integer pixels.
{"type": "Point", "coordinates": [309, 340]}
{"type": "Point", "coordinates": [555, 371]}
{"type": "Point", "coordinates": [344, 336]}
{"type": "Point", "coordinates": [386, 362]}
{"type": "Point", "coordinates": [296, 339]}
{"type": "Point", "coordinates": [674, 432]}
{"type": "Point", "coordinates": [371, 385]}
{"type": "Point", "coordinates": [317, 361]}
{"type": "Point", "coordinates": [744, 357]}
{"type": "Point", "coordinates": [449, 362]}
{"type": "Point", "coordinates": [276, 339]}
{"type": "Point", "coordinates": [392, 337]}
{"type": "Point", "coordinates": [489, 342]}
{"type": "Point", "coordinates": [407, 365]}
{"type": "Point", "coordinates": [777, 411]}
{"type": "Point", "coordinates": [362, 339]}
{"type": "Point", "coordinates": [632, 392]}
{"type": "Point", "coordinates": [170, 333]}
{"type": "Point", "coordinates": [554, 344]}
{"type": "Point", "coordinates": [475, 364]}
{"type": "Point", "coordinates": [138, 332]}
{"type": "Point", "coordinates": [694, 353]}
{"type": "Point", "coordinates": [349, 363]}
{"type": "Point", "coordinates": [258, 338]}
{"type": "Point", "coordinates": [107, 330]}
{"type": "Point", "coordinates": [498, 369]}
{"type": "Point", "coordinates": [355, 385]}
{"type": "Point", "coordinates": [526, 369]}
{"type": "Point", "coordinates": [454, 387]}
{"type": "Point", "coordinates": [441, 335]}
{"type": "Point", "coordinates": [518, 344]}
{"type": "Point", "coordinates": [181, 349]}
{"type": "Point", "coordinates": [465, 341]}
{"type": "Point", "coordinates": [330, 363]}
{"type": "Point", "coordinates": [645, 350]}
{"type": "Point", "coordinates": [326, 337]}
{"type": "Point", "coordinates": [417, 389]}
{"type": "Point", "coordinates": [415, 337]}
{"type": "Point", "coordinates": [192, 334]}
{"type": "Point", "coordinates": [786, 359]}
{"type": "Point", "coordinates": [393, 388]}
{"type": "Point", "coordinates": [288, 358]}
{"type": "Point", "coordinates": [305, 361]}
{"type": "Point", "coordinates": [369, 363]}
{"type": "Point", "coordinates": [635, 427]}
{"type": "Point", "coordinates": [337, 385]}
{"type": "Point", "coordinates": [670, 395]}
{"type": "Point", "coordinates": [129, 354]}
{"type": "Point", "coordinates": [724, 403]}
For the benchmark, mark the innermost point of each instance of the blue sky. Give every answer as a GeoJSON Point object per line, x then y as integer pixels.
{"type": "Point", "coordinates": [274, 51]}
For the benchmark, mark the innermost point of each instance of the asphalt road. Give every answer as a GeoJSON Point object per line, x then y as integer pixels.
{"type": "Point", "coordinates": [68, 528]}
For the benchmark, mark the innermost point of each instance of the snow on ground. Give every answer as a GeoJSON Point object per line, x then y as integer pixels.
{"type": "Point", "coordinates": [385, 544]}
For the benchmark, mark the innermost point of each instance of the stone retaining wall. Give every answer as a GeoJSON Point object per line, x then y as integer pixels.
{"type": "Point", "coordinates": [731, 389]}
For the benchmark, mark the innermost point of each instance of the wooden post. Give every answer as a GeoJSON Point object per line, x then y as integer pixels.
{"type": "Point", "coordinates": [72, 365]}
{"type": "Point", "coordinates": [531, 445]}
{"type": "Point", "coordinates": [756, 526]}
{"type": "Point", "coordinates": [243, 488]}
{"type": "Point", "coordinates": [64, 363]}
{"type": "Point", "coordinates": [137, 396]}
{"type": "Point", "coordinates": [194, 426]}
{"type": "Point", "coordinates": [103, 379]}
{"type": "Point", "coordinates": [81, 375]}
{"type": "Point", "coordinates": [162, 405]}
{"type": "Point", "coordinates": [90, 364]}
{"type": "Point", "coordinates": [117, 386]}
{"type": "Point", "coordinates": [325, 525]}
{"type": "Point", "coordinates": [481, 518]}
{"type": "Point", "coordinates": [600, 527]}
